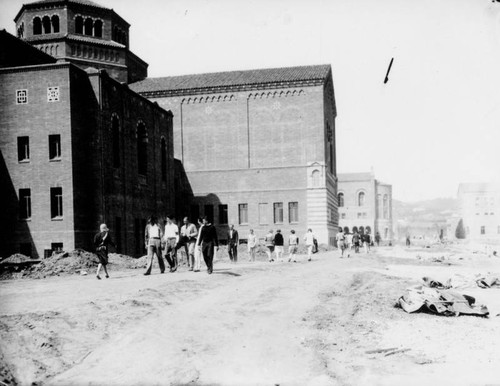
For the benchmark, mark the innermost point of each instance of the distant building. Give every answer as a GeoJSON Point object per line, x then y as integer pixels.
{"type": "Point", "coordinates": [365, 204]}
{"type": "Point", "coordinates": [258, 146]}
{"type": "Point", "coordinates": [77, 147]}
{"type": "Point", "coordinates": [480, 210]}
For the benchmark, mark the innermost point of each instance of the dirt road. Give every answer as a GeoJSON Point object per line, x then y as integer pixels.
{"type": "Point", "coordinates": [308, 323]}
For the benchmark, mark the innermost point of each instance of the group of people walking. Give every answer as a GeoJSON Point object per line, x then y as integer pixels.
{"type": "Point", "coordinates": [346, 242]}
{"type": "Point", "coordinates": [200, 241]}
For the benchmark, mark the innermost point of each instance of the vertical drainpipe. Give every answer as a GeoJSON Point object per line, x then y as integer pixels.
{"type": "Point", "coordinates": [248, 129]}
{"type": "Point", "coordinates": [182, 133]}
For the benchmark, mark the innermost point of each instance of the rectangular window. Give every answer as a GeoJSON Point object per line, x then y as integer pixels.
{"type": "Point", "coordinates": [195, 213]}
{"type": "Point", "coordinates": [56, 203]}
{"type": "Point", "coordinates": [56, 247]}
{"type": "Point", "coordinates": [342, 215]}
{"type": "Point", "coordinates": [209, 212]}
{"type": "Point", "coordinates": [293, 212]}
{"type": "Point", "coordinates": [243, 213]}
{"type": "Point", "coordinates": [52, 94]}
{"type": "Point", "coordinates": [483, 229]}
{"type": "Point", "coordinates": [25, 249]}
{"type": "Point", "coordinates": [278, 212]}
{"type": "Point", "coordinates": [24, 204]}
{"type": "Point", "coordinates": [360, 215]}
{"type": "Point", "coordinates": [223, 214]}
{"type": "Point", "coordinates": [263, 214]}
{"type": "Point", "coordinates": [118, 233]}
{"type": "Point", "coordinates": [23, 149]}
{"type": "Point", "coordinates": [21, 97]}
{"type": "Point", "coordinates": [54, 147]}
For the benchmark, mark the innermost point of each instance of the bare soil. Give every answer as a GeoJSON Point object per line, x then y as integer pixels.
{"type": "Point", "coordinates": [330, 321]}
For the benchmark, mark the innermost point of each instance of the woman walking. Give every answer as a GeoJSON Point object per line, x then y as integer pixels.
{"type": "Point", "coordinates": [309, 239]}
{"type": "Point", "coordinates": [252, 245]}
{"type": "Point", "coordinates": [197, 248]}
{"type": "Point", "coordinates": [269, 242]}
{"type": "Point", "coordinates": [101, 242]}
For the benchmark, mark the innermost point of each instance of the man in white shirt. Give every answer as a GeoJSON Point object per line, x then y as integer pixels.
{"type": "Point", "coordinates": [170, 239]}
{"type": "Point", "coordinates": [153, 235]}
{"type": "Point", "coordinates": [188, 239]}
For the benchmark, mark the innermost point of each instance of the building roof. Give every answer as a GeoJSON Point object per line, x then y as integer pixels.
{"type": "Point", "coordinates": [350, 177]}
{"type": "Point", "coordinates": [482, 187]}
{"type": "Point", "coordinates": [15, 52]}
{"type": "Point", "coordinates": [274, 77]}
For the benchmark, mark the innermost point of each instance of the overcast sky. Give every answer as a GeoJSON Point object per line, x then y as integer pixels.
{"type": "Point", "coordinates": [436, 123]}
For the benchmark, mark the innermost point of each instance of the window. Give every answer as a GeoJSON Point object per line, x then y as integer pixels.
{"type": "Point", "coordinates": [54, 147]}
{"type": "Point", "coordinates": [293, 212]}
{"type": "Point", "coordinates": [223, 214]}
{"type": "Point", "coordinates": [342, 216]}
{"type": "Point", "coordinates": [20, 31]}
{"type": "Point", "coordinates": [56, 247]}
{"type": "Point", "coordinates": [55, 23]}
{"type": "Point", "coordinates": [361, 198]}
{"type": "Point", "coordinates": [386, 206]}
{"type": "Point", "coordinates": [368, 229]}
{"type": "Point", "coordinates": [243, 213]}
{"type": "Point", "coordinates": [56, 204]}
{"type": "Point", "coordinates": [79, 25]}
{"type": "Point", "coordinates": [278, 212]}
{"type": "Point", "coordinates": [315, 178]}
{"type": "Point", "coordinates": [209, 212]}
{"type": "Point", "coordinates": [23, 149]}
{"type": "Point", "coordinates": [163, 159]}
{"type": "Point", "coordinates": [483, 229]}
{"type": "Point", "coordinates": [46, 24]}
{"type": "Point", "coordinates": [98, 29]}
{"type": "Point", "coordinates": [88, 26]}
{"type": "Point", "coordinates": [115, 132]}
{"type": "Point", "coordinates": [37, 26]}
{"type": "Point", "coordinates": [24, 204]}
{"type": "Point", "coordinates": [340, 197]}
{"type": "Point", "coordinates": [142, 149]}
{"type": "Point", "coordinates": [118, 233]}
{"type": "Point", "coordinates": [25, 249]}
{"type": "Point", "coordinates": [360, 215]}
{"type": "Point", "coordinates": [263, 214]}
{"type": "Point", "coordinates": [52, 94]}
{"type": "Point", "coordinates": [21, 97]}
{"type": "Point", "coordinates": [195, 212]}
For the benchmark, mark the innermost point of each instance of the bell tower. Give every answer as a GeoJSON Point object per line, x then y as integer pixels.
{"type": "Point", "coordinates": [81, 32]}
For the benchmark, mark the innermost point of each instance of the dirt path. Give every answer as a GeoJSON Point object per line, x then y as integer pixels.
{"type": "Point", "coordinates": [249, 324]}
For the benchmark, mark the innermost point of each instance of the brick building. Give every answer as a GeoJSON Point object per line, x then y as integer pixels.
{"type": "Point", "coordinates": [258, 147]}
{"type": "Point", "coordinates": [479, 208]}
{"type": "Point", "coordinates": [77, 148]}
{"type": "Point", "coordinates": [365, 204]}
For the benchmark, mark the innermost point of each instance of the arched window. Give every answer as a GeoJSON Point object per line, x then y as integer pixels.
{"type": "Point", "coordinates": [361, 230]}
{"type": "Point", "coordinates": [346, 229]}
{"type": "Point", "coordinates": [354, 229]}
{"type": "Point", "coordinates": [361, 198]}
{"type": "Point", "coordinates": [368, 229]}
{"type": "Point", "coordinates": [315, 178]}
{"type": "Point", "coordinates": [115, 33]}
{"type": "Point", "coordinates": [98, 29]}
{"type": "Point", "coordinates": [37, 26]}
{"type": "Point", "coordinates": [386, 206]}
{"type": "Point", "coordinates": [55, 23]}
{"type": "Point", "coordinates": [46, 24]}
{"type": "Point", "coordinates": [88, 26]}
{"type": "Point", "coordinates": [340, 197]}
{"type": "Point", "coordinates": [115, 132]}
{"type": "Point", "coordinates": [163, 159]}
{"type": "Point", "coordinates": [142, 149]}
{"type": "Point", "coordinates": [79, 25]}
{"type": "Point", "coordinates": [20, 31]}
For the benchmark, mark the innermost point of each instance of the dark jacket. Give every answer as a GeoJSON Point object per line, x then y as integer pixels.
{"type": "Point", "coordinates": [278, 239]}
{"type": "Point", "coordinates": [233, 240]}
{"type": "Point", "coordinates": [209, 235]}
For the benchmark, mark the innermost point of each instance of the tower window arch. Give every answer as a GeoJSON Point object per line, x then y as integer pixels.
{"type": "Point", "coordinates": [37, 26]}
{"type": "Point", "coordinates": [79, 25]}
{"type": "Point", "coordinates": [340, 197]}
{"type": "Point", "coordinates": [55, 23]}
{"type": "Point", "coordinates": [115, 132]}
{"type": "Point", "coordinates": [163, 159]}
{"type": "Point", "coordinates": [46, 25]}
{"type": "Point", "coordinates": [361, 198]}
{"type": "Point", "coordinates": [142, 149]}
{"type": "Point", "coordinates": [88, 26]}
{"type": "Point", "coordinates": [98, 29]}
{"type": "Point", "coordinates": [20, 31]}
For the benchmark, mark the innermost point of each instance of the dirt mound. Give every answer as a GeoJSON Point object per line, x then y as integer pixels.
{"type": "Point", "coordinates": [16, 258]}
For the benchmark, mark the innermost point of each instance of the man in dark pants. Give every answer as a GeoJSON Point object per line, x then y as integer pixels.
{"type": "Point", "coordinates": [232, 244]}
{"type": "Point", "coordinates": [208, 241]}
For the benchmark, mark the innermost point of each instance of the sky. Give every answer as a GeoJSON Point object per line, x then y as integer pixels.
{"type": "Point", "coordinates": [433, 125]}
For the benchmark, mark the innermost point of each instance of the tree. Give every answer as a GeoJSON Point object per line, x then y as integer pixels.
{"type": "Point", "coordinates": [460, 231]}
